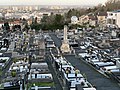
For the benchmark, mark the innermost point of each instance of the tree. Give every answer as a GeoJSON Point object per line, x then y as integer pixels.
{"type": "Point", "coordinates": [44, 19]}
{"type": "Point", "coordinates": [73, 12]}
{"type": "Point", "coordinates": [58, 21]}
{"type": "Point", "coordinates": [6, 26]}
{"type": "Point", "coordinates": [34, 20]}
{"type": "Point", "coordinates": [13, 73]}
{"type": "Point", "coordinates": [75, 26]}
{"type": "Point", "coordinates": [89, 10]}
{"type": "Point", "coordinates": [35, 26]}
{"type": "Point", "coordinates": [24, 21]}
{"type": "Point", "coordinates": [16, 27]}
{"type": "Point", "coordinates": [52, 22]}
{"type": "Point", "coordinates": [112, 5]}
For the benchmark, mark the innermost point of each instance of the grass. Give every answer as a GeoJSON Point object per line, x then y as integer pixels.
{"type": "Point", "coordinates": [19, 59]}
{"type": "Point", "coordinates": [41, 84]}
{"type": "Point", "coordinates": [1, 86]}
{"type": "Point", "coordinates": [15, 60]}
{"type": "Point", "coordinates": [0, 72]}
{"type": "Point", "coordinates": [50, 84]}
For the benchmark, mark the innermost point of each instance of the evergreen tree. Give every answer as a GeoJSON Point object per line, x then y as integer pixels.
{"type": "Point", "coordinates": [6, 26]}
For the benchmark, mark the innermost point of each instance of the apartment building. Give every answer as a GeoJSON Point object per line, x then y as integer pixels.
{"type": "Point", "coordinates": [113, 19]}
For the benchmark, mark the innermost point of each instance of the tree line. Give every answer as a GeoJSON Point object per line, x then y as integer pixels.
{"type": "Point", "coordinates": [110, 5]}
{"type": "Point", "coordinates": [51, 22]}
{"type": "Point", "coordinates": [57, 21]}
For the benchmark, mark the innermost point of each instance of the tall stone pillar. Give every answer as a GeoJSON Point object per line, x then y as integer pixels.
{"type": "Point", "coordinates": [65, 48]}
{"type": "Point", "coordinates": [65, 34]}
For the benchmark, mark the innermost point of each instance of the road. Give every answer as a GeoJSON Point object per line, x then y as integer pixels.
{"type": "Point", "coordinates": [95, 78]}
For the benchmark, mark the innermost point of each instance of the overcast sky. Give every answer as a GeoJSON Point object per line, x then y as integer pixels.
{"type": "Point", "coordinates": [51, 2]}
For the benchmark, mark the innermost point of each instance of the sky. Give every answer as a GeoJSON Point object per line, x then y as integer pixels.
{"type": "Point", "coordinates": [51, 2]}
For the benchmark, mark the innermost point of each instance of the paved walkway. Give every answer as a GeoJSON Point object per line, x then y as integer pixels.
{"type": "Point", "coordinates": [55, 77]}
{"type": "Point", "coordinates": [57, 40]}
{"type": "Point", "coordinates": [94, 77]}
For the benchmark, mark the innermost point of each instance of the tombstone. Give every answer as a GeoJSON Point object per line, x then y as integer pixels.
{"type": "Point", "coordinates": [81, 33]}
{"type": "Point", "coordinates": [117, 53]}
{"type": "Point", "coordinates": [113, 34]}
{"type": "Point", "coordinates": [36, 87]}
{"type": "Point", "coordinates": [65, 48]}
{"type": "Point", "coordinates": [6, 42]}
{"type": "Point", "coordinates": [35, 75]}
{"type": "Point", "coordinates": [105, 42]}
{"type": "Point", "coordinates": [1, 44]}
{"type": "Point", "coordinates": [118, 63]}
{"type": "Point", "coordinates": [30, 59]}
{"type": "Point", "coordinates": [78, 87]}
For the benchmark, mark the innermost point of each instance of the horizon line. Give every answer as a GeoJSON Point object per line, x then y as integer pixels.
{"type": "Point", "coordinates": [47, 5]}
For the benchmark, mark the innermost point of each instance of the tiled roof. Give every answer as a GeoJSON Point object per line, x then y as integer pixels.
{"type": "Point", "coordinates": [93, 17]}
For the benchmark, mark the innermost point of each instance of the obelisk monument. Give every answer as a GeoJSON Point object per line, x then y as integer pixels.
{"type": "Point", "coordinates": [65, 48]}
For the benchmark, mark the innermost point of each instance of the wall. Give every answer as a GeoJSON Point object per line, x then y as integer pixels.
{"type": "Point", "coordinates": [118, 19]}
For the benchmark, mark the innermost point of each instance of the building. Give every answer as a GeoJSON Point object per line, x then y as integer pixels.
{"type": "Point", "coordinates": [113, 19]}
{"type": "Point", "coordinates": [101, 16]}
{"type": "Point", "coordinates": [1, 23]}
{"type": "Point", "coordinates": [83, 19]}
{"type": "Point", "coordinates": [74, 20]}
{"type": "Point", "coordinates": [90, 19]}
{"type": "Point", "coordinates": [26, 16]}
{"type": "Point", "coordinates": [29, 21]}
